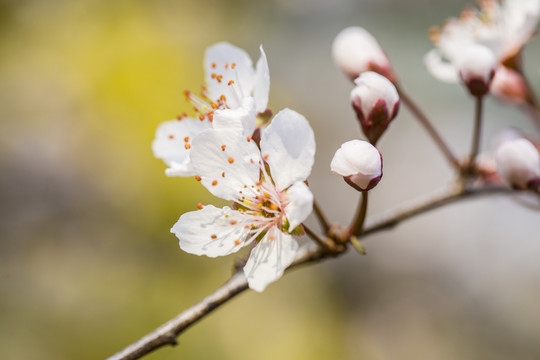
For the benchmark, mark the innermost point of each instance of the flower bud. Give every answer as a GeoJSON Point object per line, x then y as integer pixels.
{"type": "Point", "coordinates": [508, 85]}
{"type": "Point", "coordinates": [476, 69]}
{"type": "Point", "coordinates": [518, 163]}
{"type": "Point", "coordinates": [376, 102]}
{"type": "Point", "coordinates": [355, 51]}
{"type": "Point", "coordinates": [360, 164]}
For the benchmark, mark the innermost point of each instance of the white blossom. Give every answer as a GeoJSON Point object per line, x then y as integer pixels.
{"type": "Point", "coordinates": [518, 162]}
{"type": "Point", "coordinates": [502, 26]}
{"type": "Point", "coordinates": [234, 93]}
{"type": "Point", "coordinates": [355, 51]}
{"type": "Point", "coordinates": [267, 187]}
{"type": "Point", "coordinates": [360, 164]}
{"type": "Point", "coordinates": [376, 103]}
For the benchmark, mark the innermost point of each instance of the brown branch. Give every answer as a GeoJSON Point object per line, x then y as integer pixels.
{"type": "Point", "coordinates": [310, 252]}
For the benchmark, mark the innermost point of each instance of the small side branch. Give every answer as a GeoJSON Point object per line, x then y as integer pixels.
{"type": "Point", "coordinates": [424, 121]}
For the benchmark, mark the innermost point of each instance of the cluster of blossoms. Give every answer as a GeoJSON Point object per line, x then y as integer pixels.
{"type": "Point", "coordinates": [261, 166]}
{"type": "Point", "coordinates": [261, 170]}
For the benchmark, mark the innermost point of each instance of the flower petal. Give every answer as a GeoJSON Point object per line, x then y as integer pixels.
{"type": "Point", "coordinates": [219, 60]}
{"type": "Point", "coordinates": [226, 162]}
{"type": "Point", "coordinates": [241, 119]}
{"type": "Point", "coordinates": [300, 204]}
{"type": "Point", "coordinates": [440, 69]}
{"type": "Point", "coordinates": [288, 144]}
{"type": "Point", "coordinates": [269, 259]}
{"type": "Point", "coordinates": [262, 83]}
{"type": "Point", "coordinates": [212, 231]}
{"type": "Point", "coordinates": [173, 141]}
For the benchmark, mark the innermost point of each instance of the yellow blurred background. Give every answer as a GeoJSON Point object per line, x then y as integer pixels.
{"type": "Point", "coordinates": [87, 263]}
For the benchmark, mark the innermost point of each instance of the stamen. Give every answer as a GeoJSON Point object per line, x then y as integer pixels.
{"type": "Point", "coordinates": [187, 146]}
{"type": "Point", "coordinates": [214, 183]}
{"type": "Point", "coordinates": [237, 242]}
{"type": "Point", "coordinates": [186, 139]}
{"type": "Point", "coordinates": [200, 206]}
{"type": "Point", "coordinates": [231, 160]}
{"type": "Point", "coordinates": [213, 65]}
{"type": "Point", "coordinates": [197, 177]}
{"type": "Point", "coordinates": [233, 222]}
{"type": "Point", "coordinates": [171, 137]}
{"type": "Point", "coordinates": [223, 147]}
{"type": "Point", "coordinates": [213, 236]}
{"type": "Point", "coordinates": [223, 174]}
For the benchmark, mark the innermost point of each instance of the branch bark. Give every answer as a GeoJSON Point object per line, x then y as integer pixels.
{"type": "Point", "coordinates": [167, 333]}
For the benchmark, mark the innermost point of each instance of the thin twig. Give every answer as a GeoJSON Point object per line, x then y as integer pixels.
{"type": "Point", "coordinates": [310, 252]}
{"type": "Point", "coordinates": [477, 129]}
{"type": "Point", "coordinates": [358, 223]}
{"type": "Point", "coordinates": [424, 121]}
{"type": "Point", "coordinates": [323, 220]}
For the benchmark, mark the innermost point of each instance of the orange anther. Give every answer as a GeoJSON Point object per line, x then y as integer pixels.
{"type": "Point", "coordinates": [214, 183]}
{"type": "Point", "coordinates": [186, 139]}
{"type": "Point", "coordinates": [223, 174]}
{"type": "Point", "coordinates": [219, 78]}
{"type": "Point", "coordinates": [226, 65]}
{"type": "Point", "coordinates": [223, 147]}
{"type": "Point", "coordinates": [266, 157]}
{"type": "Point", "coordinates": [200, 206]}
{"type": "Point", "coordinates": [201, 117]}
{"type": "Point", "coordinates": [187, 146]}
{"type": "Point", "coordinates": [271, 237]}
{"type": "Point", "coordinates": [248, 138]}
{"type": "Point", "coordinates": [197, 177]}
{"type": "Point", "coordinates": [171, 136]}
{"type": "Point", "coordinates": [213, 76]}
{"type": "Point", "coordinates": [214, 105]}
{"type": "Point", "coordinates": [231, 160]}
{"type": "Point", "coordinates": [233, 65]}
{"type": "Point", "coordinates": [230, 82]}
{"type": "Point", "coordinates": [213, 65]}
{"type": "Point", "coordinates": [233, 222]}
{"type": "Point", "coordinates": [213, 236]}
{"type": "Point", "coordinates": [237, 242]}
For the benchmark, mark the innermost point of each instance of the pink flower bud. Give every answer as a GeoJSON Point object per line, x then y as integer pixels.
{"type": "Point", "coordinates": [355, 51]}
{"type": "Point", "coordinates": [360, 164]}
{"type": "Point", "coordinates": [508, 85]}
{"type": "Point", "coordinates": [518, 163]}
{"type": "Point", "coordinates": [476, 69]}
{"type": "Point", "coordinates": [376, 102]}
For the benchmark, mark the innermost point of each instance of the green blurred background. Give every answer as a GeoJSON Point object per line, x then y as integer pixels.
{"type": "Point", "coordinates": [87, 263]}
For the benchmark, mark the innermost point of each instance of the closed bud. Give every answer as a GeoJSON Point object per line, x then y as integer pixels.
{"type": "Point", "coordinates": [360, 164]}
{"type": "Point", "coordinates": [476, 69]}
{"type": "Point", "coordinates": [376, 102]}
{"type": "Point", "coordinates": [355, 51]}
{"type": "Point", "coordinates": [518, 163]}
{"type": "Point", "coordinates": [508, 85]}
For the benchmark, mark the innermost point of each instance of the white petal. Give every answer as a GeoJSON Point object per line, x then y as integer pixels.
{"type": "Point", "coordinates": [241, 119]}
{"type": "Point", "coordinates": [170, 144]}
{"type": "Point", "coordinates": [269, 259]}
{"type": "Point", "coordinates": [300, 204]}
{"type": "Point", "coordinates": [212, 231]}
{"type": "Point", "coordinates": [262, 83]}
{"type": "Point", "coordinates": [226, 161]}
{"type": "Point", "coordinates": [289, 144]}
{"type": "Point", "coordinates": [219, 60]}
{"type": "Point", "coordinates": [440, 69]}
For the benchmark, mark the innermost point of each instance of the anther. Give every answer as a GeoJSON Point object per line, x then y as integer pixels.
{"type": "Point", "coordinates": [271, 237]}
{"type": "Point", "coordinates": [223, 174]}
{"type": "Point", "coordinates": [213, 76]}
{"type": "Point", "coordinates": [233, 65]}
{"type": "Point", "coordinates": [231, 160]}
{"type": "Point", "coordinates": [230, 82]}
{"type": "Point", "coordinates": [171, 136]}
{"type": "Point", "coordinates": [266, 157]}
{"type": "Point", "coordinates": [213, 65]}
{"type": "Point", "coordinates": [248, 138]}
{"type": "Point", "coordinates": [214, 183]}
{"type": "Point", "coordinates": [213, 236]}
{"type": "Point", "coordinates": [187, 146]}
{"type": "Point", "coordinates": [233, 222]}
{"type": "Point", "coordinates": [197, 177]}
{"type": "Point", "coordinates": [218, 78]}
{"type": "Point", "coordinates": [237, 242]}
{"type": "Point", "coordinates": [201, 117]}
{"type": "Point", "coordinates": [223, 147]}
{"type": "Point", "coordinates": [200, 206]}
{"type": "Point", "coordinates": [186, 139]}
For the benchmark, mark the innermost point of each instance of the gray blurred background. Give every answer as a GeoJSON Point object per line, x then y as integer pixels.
{"type": "Point", "coordinates": [87, 263]}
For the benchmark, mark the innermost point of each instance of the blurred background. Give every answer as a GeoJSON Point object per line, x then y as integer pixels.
{"type": "Point", "coordinates": [87, 263]}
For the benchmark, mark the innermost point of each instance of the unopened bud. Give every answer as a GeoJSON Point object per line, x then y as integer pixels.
{"type": "Point", "coordinates": [376, 102]}
{"type": "Point", "coordinates": [360, 164]}
{"type": "Point", "coordinates": [508, 85]}
{"type": "Point", "coordinates": [518, 163]}
{"type": "Point", "coordinates": [476, 69]}
{"type": "Point", "coordinates": [355, 51]}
